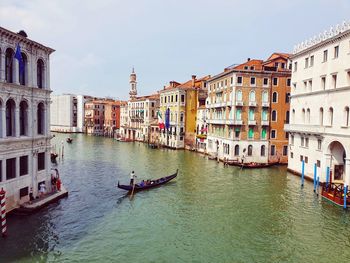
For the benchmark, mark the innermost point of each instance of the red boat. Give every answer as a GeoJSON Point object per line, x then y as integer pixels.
{"type": "Point", "coordinates": [334, 193]}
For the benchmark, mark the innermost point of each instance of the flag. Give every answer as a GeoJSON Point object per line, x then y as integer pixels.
{"type": "Point", "coordinates": [160, 121]}
{"type": "Point", "coordinates": [18, 56]}
{"type": "Point", "coordinates": [167, 118]}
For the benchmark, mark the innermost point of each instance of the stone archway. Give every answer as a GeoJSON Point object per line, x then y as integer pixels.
{"type": "Point", "coordinates": [337, 153]}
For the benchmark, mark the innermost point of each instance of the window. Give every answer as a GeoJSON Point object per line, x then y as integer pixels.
{"type": "Point", "coordinates": [239, 95]}
{"type": "Point", "coordinates": [276, 64]}
{"type": "Point", "coordinates": [23, 165]}
{"type": "Point", "coordinates": [41, 161]}
{"type": "Point", "coordinates": [273, 150]}
{"type": "Point", "coordinates": [307, 142]}
{"type": "Point", "coordinates": [237, 150]}
{"type": "Point", "coordinates": [325, 55]}
{"type": "Point", "coordinates": [231, 80]}
{"type": "Point", "coordinates": [251, 114]}
{"type": "Point", "coordinates": [239, 80]}
{"type": "Point", "coordinates": [237, 132]}
{"type": "Point", "coordinates": [336, 51]}
{"type": "Point", "coordinates": [275, 81]}
{"type": "Point", "coordinates": [252, 81]}
{"type": "Point", "coordinates": [308, 116]}
{"type": "Point", "coordinates": [10, 118]}
{"type": "Point", "coordinates": [250, 150]}
{"type": "Point", "coordinates": [274, 115]}
{"type": "Point", "coordinates": [263, 133]}
{"type": "Point", "coordinates": [266, 81]}
{"type": "Point", "coordinates": [295, 66]}
{"type": "Point", "coordinates": [287, 97]}
{"type": "Point", "coordinates": [318, 163]}
{"type": "Point", "coordinates": [283, 65]}
{"type": "Point", "coordinates": [40, 74]}
{"type": "Point", "coordinates": [291, 155]}
{"type": "Point", "coordinates": [251, 133]}
{"type": "Point", "coordinates": [23, 192]}
{"type": "Point", "coordinates": [306, 159]}
{"type": "Point", "coordinates": [23, 118]}
{"type": "Point", "coordinates": [182, 98]}
{"type": "Point", "coordinates": [303, 115]}
{"type": "Point", "coordinates": [238, 114]}
{"type": "Point", "coordinates": [287, 117]}
{"type": "Point", "coordinates": [288, 82]}
{"type": "Point", "coordinates": [262, 150]}
{"type": "Point", "coordinates": [302, 140]}
{"type": "Point", "coordinates": [306, 62]}
{"type": "Point", "coordinates": [346, 116]}
{"type": "Point", "coordinates": [22, 71]}
{"type": "Point", "coordinates": [310, 85]}
{"type": "Point", "coordinates": [311, 61]}
{"type": "Point", "coordinates": [321, 117]}
{"type": "Point", "coordinates": [252, 96]}
{"type": "Point", "coordinates": [319, 144]}
{"type": "Point", "coordinates": [274, 97]}
{"type": "Point", "coordinates": [246, 67]}
{"type": "Point", "coordinates": [265, 96]}
{"type": "Point", "coordinates": [323, 83]}
{"type": "Point", "coordinates": [11, 168]}
{"type": "Point", "coordinates": [330, 116]}
{"type": "Point", "coordinates": [273, 134]}
{"type": "Point", "coordinates": [291, 139]}
{"type": "Point", "coordinates": [334, 80]}
{"type": "Point", "coordinates": [9, 65]}
{"type": "Point", "coordinates": [181, 117]}
{"type": "Point", "coordinates": [285, 150]}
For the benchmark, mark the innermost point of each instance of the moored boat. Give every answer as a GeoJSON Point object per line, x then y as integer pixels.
{"type": "Point", "coordinates": [334, 193]}
{"type": "Point", "coordinates": [69, 140]}
{"type": "Point", "coordinates": [250, 165]}
{"type": "Point", "coordinates": [53, 157]}
{"type": "Point", "coordinates": [148, 184]}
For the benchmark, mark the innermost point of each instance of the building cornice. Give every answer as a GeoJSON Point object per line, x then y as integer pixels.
{"type": "Point", "coordinates": [321, 92]}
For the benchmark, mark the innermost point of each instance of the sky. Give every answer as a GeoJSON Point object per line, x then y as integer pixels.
{"type": "Point", "coordinates": [97, 42]}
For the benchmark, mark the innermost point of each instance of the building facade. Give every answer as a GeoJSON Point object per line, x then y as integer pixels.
{"type": "Point", "coordinates": [24, 116]}
{"type": "Point", "coordinates": [243, 110]}
{"type": "Point", "coordinates": [67, 113]}
{"type": "Point", "coordinates": [319, 128]}
{"type": "Point", "coordinates": [95, 117]}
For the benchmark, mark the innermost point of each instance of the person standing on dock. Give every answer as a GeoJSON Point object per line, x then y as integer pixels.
{"type": "Point", "coordinates": [132, 178]}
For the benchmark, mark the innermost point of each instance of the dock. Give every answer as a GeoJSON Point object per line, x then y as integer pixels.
{"type": "Point", "coordinates": [35, 205]}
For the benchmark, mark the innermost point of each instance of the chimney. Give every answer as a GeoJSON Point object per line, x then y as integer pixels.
{"type": "Point", "coordinates": [193, 80]}
{"type": "Point", "coordinates": [248, 59]}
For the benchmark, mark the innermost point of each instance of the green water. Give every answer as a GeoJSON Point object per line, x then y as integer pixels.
{"type": "Point", "coordinates": [207, 214]}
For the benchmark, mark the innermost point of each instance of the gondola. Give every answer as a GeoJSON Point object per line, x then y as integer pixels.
{"type": "Point", "coordinates": [53, 157]}
{"type": "Point", "coordinates": [152, 183]}
{"type": "Point", "coordinates": [250, 165]}
{"type": "Point", "coordinates": [69, 140]}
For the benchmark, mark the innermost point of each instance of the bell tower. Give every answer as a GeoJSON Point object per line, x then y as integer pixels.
{"type": "Point", "coordinates": [133, 90]}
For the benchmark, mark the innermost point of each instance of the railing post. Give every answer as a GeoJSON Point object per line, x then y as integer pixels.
{"type": "Point", "coordinates": [302, 173]}
{"type": "Point", "coordinates": [315, 176]}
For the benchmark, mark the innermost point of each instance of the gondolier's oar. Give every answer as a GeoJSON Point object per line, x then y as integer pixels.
{"type": "Point", "coordinates": [132, 192]}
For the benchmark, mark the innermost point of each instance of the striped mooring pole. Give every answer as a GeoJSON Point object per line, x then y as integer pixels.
{"type": "Point", "coordinates": [3, 212]}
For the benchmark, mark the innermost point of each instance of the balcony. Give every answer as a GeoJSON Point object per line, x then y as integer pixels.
{"type": "Point", "coordinates": [265, 123]}
{"type": "Point", "coordinates": [237, 122]}
{"type": "Point", "coordinates": [239, 103]}
{"type": "Point", "coordinates": [252, 103]}
{"type": "Point", "coordinates": [266, 104]}
{"type": "Point", "coordinates": [250, 122]}
{"type": "Point", "coordinates": [216, 121]}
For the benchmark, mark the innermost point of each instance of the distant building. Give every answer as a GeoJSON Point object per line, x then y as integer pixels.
{"type": "Point", "coordinates": [179, 102]}
{"type": "Point", "coordinates": [112, 117]}
{"type": "Point", "coordinates": [68, 112]}
{"type": "Point", "coordinates": [248, 106]}
{"type": "Point", "coordinates": [95, 117]}
{"type": "Point", "coordinates": [24, 117]}
{"type": "Point", "coordinates": [320, 100]}
{"type": "Point", "coordinates": [124, 119]}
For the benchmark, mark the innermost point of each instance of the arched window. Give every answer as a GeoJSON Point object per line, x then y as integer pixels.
{"type": "Point", "coordinates": [250, 150]}
{"type": "Point", "coordinates": [308, 116]}
{"type": "Point", "coordinates": [239, 95]}
{"type": "Point", "coordinates": [40, 118]}
{"type": "Point", "coordinates": [274, 115]}
{"type": "Point", "coordinates": [10, 117]}
{"type": "Point", "coordinates": [252, 96]}
{"type": "Point", "coordinates": [23, 71]}
{"type": "Point", "coordinates": [346, 116]}
{"type": "Point", "coordinates": [262, 150]}
{"type": "Point", "coordinates": [293, 115]}
{"type": "Point", "coordinates": [23, 118]}
{"type": "Point", "coordinates": [197, 129]}
{"type": "Point", "coordinates": [330, 116]}
{"type": "Point", "coordinates": [40, 73]}
{"type": "Point", "coordinates": [265, 96]}
{"type": "Point", "coordinates": [303, 115]}
{"type": "Point", "coordinates": [9, 65]}
{"type": "Point", "coordinates": [237, 150]}
{"type": "Point", "coordinates": [287, 117]}
{"type": "Point", "coordinates": [321, 117]}
{"type": "Point", "coordinates": [274, 97]}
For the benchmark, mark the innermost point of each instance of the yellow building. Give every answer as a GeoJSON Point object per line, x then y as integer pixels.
{"type": "Point", "coordinates": [180, 100]}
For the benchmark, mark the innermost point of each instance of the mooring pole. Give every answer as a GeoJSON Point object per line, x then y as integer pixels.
{"type": "Point", "coordinates": [327, 176]}
{"type": "Point", "coordinates": [3, 212]}
{"type": "Point", "coordinates": [345, 193]}
{"type": "Point", "coordinates": [315, 177]}
{"type": "Point", "coordinates": [318, 184]}
{"type": "Point", "coordinates": [302, 173]}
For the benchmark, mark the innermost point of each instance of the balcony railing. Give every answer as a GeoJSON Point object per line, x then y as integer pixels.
{"type": "Point", "coordinates": [252, 103]}
{"type": "Point", "coordinates": [265, 123]}
{"type": "Point", "coordinates": [239, 103]}
{"type": "Point", "coordinates": [252, 122]}
{"type": "Point", "coordinates": [266, 104]}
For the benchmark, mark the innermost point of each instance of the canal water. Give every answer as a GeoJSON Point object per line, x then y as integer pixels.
{"type": "Point", "coordinates": [207, 214]}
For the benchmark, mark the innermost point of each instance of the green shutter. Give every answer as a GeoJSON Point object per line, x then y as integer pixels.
{"type": "Point", "coordinates": [263, 133]}
{"type": "Point", "coordinates": [251, 133]}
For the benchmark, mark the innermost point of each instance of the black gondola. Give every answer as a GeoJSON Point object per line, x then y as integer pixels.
{"type": "Point", "coordinates": [152, 183]}
{"type": "Point", "coordinates": [69, 140]}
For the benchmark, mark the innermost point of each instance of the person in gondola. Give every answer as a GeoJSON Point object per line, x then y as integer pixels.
{"type": "Point", "coordinates": [132, 178]}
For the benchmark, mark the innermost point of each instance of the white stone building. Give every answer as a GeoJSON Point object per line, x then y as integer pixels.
{"type": "Point", "coordinates": [202, 129]}
{"type": "Point", "coordinates": [320, 100]}
{"type": "Point", "coordinates": [67, 113]}
{"type": "Point", "coordinates": [124, 119]}
{"type": "Point", "coordinates": [24, 117]}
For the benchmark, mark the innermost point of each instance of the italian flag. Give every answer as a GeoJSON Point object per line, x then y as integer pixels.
{"type": "Point", "coordinates": [160, 121]}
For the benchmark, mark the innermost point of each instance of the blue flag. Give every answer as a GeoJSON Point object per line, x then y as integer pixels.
{"type": "Point", "coordinates": [18, 56]}
{"type": "Point", "coordinates": [167, 117]}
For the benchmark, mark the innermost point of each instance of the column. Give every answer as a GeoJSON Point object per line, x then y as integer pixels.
{"type": "Point", "coordinates": [17, 122]}
{"type": "Point", "coordinates": [17, 167]}
{"type": "Point", "coordinates": [2, 66]}
{"type": "Point", "coordinates": [3, 122]}
{"type": "Point", "coordinates": [15, 71]}
{"type": "Point", "coordinates": [347, 172]}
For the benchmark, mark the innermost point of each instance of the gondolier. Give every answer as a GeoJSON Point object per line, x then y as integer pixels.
{"type": "Point", "coordinates": [132, 178]}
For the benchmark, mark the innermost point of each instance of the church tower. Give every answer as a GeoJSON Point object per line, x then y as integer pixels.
{"type": "Point", "coordinates": [133, 90]}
